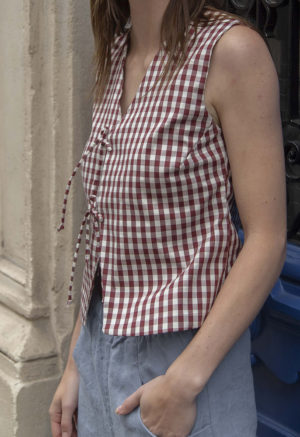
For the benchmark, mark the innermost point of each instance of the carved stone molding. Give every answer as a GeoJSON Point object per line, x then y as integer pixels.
{"type": "Point", "coordinates": [45, 79]}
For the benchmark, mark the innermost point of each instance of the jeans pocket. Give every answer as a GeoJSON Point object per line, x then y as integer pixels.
{"type": "Point", "coordinates": [202, 425]}
{"type": "Point", "coordinates": [148, 432]}
{"type": "Point", "coordinates": [200, 428]}
{"type": "Point", "coordinates": [204, 432]}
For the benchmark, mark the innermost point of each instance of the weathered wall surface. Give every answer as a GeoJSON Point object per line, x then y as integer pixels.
{"type": "Point", "coordinates": [45, 117]}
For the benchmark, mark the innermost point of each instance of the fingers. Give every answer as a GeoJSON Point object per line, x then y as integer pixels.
{"type": "Point", "coordinates": [63, 408]}
{"type": "Point", "coordinates": [55, 418]}
{"type": "Point", "coordinates": [63, 424]}
{"type": "Point", "coordinates": [75, 418]}
{"type": "Point", "coordinates": [55, 429]}
{"type": "Point", "coordinates": [67, 421]}
{"type": "Point", "coordinates": [74, 432]}
{"type": "Point", "coordinates": [131, 402]}
{"type": "Point", "coordinates": [74, 423]}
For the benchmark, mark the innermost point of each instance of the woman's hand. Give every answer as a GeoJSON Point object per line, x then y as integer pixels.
{"type": "Point", "coordinates": [165, 410]}
{"type": "Point", "coordinates": [63, 408]}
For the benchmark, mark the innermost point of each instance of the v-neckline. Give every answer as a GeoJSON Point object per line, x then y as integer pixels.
{"type": "Point", "coordinates": [124, 53]}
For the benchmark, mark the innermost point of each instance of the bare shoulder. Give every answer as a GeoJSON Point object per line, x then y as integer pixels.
{"type": "Point", "coordinates": [241, 70]}
{"type": "Point", "coordinates": [240, 49]}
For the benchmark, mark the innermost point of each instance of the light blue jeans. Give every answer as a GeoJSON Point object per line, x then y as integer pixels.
{"type": "Point", "coordinates": [113, 367]}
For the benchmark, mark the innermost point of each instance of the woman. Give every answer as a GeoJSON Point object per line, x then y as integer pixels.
{"type": "Point", "coordinates": [163, 258]}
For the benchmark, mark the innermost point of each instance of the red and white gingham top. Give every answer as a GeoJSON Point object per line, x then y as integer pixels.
{"type": "Point", "coordinates": [159, 193]}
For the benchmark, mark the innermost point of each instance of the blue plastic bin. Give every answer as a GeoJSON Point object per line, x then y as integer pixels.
{"type": "Point", "coordinates": [276, 354]}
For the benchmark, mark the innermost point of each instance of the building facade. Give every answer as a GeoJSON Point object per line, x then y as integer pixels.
{"type": "Point", "coordinates": [45, 115]}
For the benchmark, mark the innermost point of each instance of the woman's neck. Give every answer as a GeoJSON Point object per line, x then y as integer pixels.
{"type": "Point", "coordinates": [146, 19]}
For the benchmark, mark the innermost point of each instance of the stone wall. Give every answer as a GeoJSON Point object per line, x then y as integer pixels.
{"type": "Point", "coordinates": [45, 118]}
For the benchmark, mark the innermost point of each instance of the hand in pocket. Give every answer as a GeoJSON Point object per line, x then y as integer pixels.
{"type": "Point", "coordinates": [164, 410]}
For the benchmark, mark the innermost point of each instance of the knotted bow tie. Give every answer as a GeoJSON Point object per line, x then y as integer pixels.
{"type": "Point", "coordinates": [91, 211]}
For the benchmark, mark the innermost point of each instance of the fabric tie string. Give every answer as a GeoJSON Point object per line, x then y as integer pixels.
{"type": "Point", "coordinates": [91, 210]}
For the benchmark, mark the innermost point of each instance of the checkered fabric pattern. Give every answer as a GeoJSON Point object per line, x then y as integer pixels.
{"type": "Point", "coordinates": [159, 193]}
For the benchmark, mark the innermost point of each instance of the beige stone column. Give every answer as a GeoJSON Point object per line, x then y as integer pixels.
{"type": "Point", "coordinates": [45, 117]}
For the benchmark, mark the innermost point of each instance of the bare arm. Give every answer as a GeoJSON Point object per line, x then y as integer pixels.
{"type": "Point", "coordinates": [243, 90]}
{"type": "Point", "coordinates": [70, 362]}
{"type": "Point", "coordinates": [63, 407]}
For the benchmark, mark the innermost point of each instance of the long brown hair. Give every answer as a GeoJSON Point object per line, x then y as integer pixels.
{"type": "Point", "coordinates": [108, 18]}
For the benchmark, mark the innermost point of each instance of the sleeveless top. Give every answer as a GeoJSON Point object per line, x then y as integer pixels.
{"type": "Point", "coordinates": [159, 194]}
